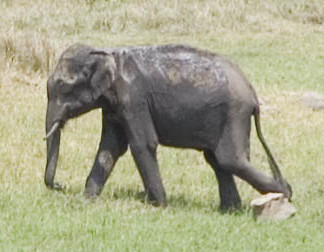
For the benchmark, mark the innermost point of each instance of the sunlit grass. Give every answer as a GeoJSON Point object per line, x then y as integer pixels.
{"type": "Point", "coordinates": [278, 44]}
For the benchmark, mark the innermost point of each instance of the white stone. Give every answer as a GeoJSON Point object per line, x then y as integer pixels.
{"type": "Point", "coordinates": [272, 206]}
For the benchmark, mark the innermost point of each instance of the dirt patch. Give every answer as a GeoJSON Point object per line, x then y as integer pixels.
{"type": "Point", "coordinates": [313, 100]}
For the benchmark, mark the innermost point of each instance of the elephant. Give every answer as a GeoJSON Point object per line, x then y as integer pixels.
{"type": "Point", "coordinates": [172, 95]}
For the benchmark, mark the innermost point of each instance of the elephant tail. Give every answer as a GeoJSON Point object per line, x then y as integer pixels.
{"type": "Point", "coordinates": [272, 162]}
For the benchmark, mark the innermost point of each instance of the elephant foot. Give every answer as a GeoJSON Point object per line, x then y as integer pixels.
{"type": "Point", "coordinates": [157, 203]}
{"type": "Point", "coordinates": [55, 186]}
{"type": "Point", "coordinates": [150, 199]}
{"type": "Point", "coordinates": [230, 205]}
{"type": "Point", "coordinates": [92, 189]}
{"type": "Point", "coordinates": [287, 190]}
{"type": "Point", "coordinates": [58, 187]}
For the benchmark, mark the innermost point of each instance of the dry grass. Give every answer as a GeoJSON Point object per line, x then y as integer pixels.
{"type": "Point", "coordinates": [33, 35]}
{"type": "Point", "coordinates": [279, 44]}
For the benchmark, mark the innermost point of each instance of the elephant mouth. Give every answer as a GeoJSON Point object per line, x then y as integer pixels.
{"type": "Point", "coordinates": [65, 115]}
{"type": "Point", "coordinates": [57, 125]}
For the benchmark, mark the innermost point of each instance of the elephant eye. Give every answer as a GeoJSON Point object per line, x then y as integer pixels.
{"type": "Point", "coordinates": [86, 73]}
{"type": "Point", "coordinates": [65, 88]}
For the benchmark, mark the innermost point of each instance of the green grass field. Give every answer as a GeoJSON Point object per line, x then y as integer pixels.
{"type": "Point", "coordinates": [280, 47]}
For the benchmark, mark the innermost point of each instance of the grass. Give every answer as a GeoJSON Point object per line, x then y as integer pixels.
{"type": "Point", "coordinates": [278, 44]}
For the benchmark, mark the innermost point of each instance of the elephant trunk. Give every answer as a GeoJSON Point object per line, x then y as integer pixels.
{"type": "Point", "coordinates": [53, 135]}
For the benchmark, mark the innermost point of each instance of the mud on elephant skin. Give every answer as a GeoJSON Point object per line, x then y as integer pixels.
{"type": "Point", "coordinates": [173, 95]}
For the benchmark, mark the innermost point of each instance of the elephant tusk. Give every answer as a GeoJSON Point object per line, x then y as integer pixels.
{"type": "Point", "coordinates": [55, 126]}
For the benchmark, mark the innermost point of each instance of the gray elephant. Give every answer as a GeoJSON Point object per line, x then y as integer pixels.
{"type": "Point", "coordinates": [173, 95]}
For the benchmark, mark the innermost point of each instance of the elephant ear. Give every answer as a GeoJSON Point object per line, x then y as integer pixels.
{"type": "Point", "coordinates": [104, 69]}
{"type": "Point", "coordinates": [127, 74]}
{"type": "Point", "coordinates": [128, 68]}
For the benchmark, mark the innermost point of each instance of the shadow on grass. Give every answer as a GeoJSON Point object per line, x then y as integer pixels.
{"type": "Point", "coordinates": [174, 202]}
{"type": "Point", "coordinates": [181, 201]}
{"type": "Point", "coordinates": [177, 202]}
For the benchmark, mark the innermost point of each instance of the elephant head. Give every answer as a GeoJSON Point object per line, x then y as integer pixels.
{"type": "Point", "coordinates": [81, 81]}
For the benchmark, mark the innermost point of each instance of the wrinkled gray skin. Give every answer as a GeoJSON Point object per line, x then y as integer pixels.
{"type": "Point", "coordinates": [172, 95]}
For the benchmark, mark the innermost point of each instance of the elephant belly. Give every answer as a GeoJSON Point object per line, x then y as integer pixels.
{"type": "Point", "coordinates": [189, 128]}
{"type": "Point", "coordinates": [188, 116]}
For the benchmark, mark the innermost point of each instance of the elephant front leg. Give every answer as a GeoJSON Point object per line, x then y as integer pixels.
{"type": "Point", "coordinates": [145, 159]}
{"type": "Point", "coordinates": [143, 143]}
{"type": "Point", "coordinates": [113, 144]}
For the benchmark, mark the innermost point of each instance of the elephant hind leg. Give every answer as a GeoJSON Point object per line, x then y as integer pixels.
{"type": "Point", "coordinates": [229, 195]}
{"type": "Point", "coordinates": [232, 156]}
